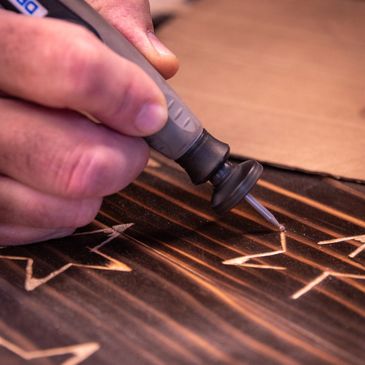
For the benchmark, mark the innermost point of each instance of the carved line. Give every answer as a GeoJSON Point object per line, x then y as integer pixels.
{"type": "Point", "coordinates": [152, 163]}
{"type": "Point", "coordinates": [113, 232]}
{"type": "Point", "coordinates": [354, 253]}
{"type": "Point", "coordinates": [243, 260]}
{"type": "Point", "coordinates": [327, 274]}
{"type": "Point", "coordinates": [80, 352]}
{"type": "Point", "coordinates": [322, 277]}
{"type": "Point", "coordinates": [357, 251]}
{"type": "Point", "coordinates": [32, 283]}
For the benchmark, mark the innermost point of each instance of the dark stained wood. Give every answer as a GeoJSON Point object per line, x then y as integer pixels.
{"type": "Point", "coordinates": [158, 293]}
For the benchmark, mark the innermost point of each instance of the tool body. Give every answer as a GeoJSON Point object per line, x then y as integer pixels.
{"type": "Point", "coordinates": [183, 138]}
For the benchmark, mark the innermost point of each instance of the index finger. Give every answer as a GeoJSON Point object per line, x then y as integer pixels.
{"type": "Point", "coordinates": [62, 65]}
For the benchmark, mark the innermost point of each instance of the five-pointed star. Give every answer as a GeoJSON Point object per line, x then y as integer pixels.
{"type": "Point", "coordinates": [354, 253]}
{"type": "Point", "coordinates": [328, 273]}
{"type": "Point", "coordinates": [243, 261]}
{"type": "Point", "coordinates": [78, 353]}
{"type": "Point", "coordinates": [68, 254]}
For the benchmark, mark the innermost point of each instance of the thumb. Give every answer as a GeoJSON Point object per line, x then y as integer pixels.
{"type": "Point", "coordinates": [133, 19]}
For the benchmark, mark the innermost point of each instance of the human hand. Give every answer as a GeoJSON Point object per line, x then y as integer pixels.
{"type": "Point", "coordinates": [133, 19]}
{"type": "Point", "coordinates": [55, 164]}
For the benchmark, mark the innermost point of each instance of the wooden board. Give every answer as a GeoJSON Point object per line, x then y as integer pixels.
{"type": "Point", "coordinates": [281, 81]}
{"type": "Point", "coordinates": [158, 291]}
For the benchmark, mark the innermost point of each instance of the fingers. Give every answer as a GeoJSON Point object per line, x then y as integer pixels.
{"type": "Point", "coordinates": [63, 65]}
{"type": "Point", "coordinates": [133, 19]}
{"type": "Point", "coordinates": [23, 206]}
{"type": "Point", "coordinates": [62, 153]}
{"type": "Point", "coordinates": [15, 235]}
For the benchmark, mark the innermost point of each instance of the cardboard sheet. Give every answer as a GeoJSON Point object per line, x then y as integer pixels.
{"type": "Point", "coordinates": [164, 8]}
{"type": "Point", "coordinates": [282, 81]}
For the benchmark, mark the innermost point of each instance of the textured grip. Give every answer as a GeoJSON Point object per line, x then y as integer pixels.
{"type": "Point", "coordinates": [182, 128]}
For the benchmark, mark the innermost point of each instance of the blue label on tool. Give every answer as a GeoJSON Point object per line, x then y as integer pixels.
{"type": "Point", "coordinates": [30, 7]}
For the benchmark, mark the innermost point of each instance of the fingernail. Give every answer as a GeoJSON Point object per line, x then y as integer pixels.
{"type": "Point", "coordinates": [151, 118]}
{"type": "Point", "coordinates": [158, 45]}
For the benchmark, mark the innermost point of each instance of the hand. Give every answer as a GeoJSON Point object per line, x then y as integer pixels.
{"type": "Point", "coordinates": [55, 164]}
{"type": "Point", "coordinates": [133, 19]}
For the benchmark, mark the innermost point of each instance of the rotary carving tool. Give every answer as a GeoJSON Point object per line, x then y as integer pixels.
{"type": "Point", "coordinates": [183, 138]}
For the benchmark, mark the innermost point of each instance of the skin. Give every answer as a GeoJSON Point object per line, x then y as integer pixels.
{"type": "Point", "coordinates": [56, 165]}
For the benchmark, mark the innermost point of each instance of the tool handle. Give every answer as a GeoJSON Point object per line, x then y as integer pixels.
{"type": "Point", "coordinates": [182, 128]}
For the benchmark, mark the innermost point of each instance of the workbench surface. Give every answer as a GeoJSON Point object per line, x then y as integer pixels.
{"type": "Point", "coordinates": [165, 281]}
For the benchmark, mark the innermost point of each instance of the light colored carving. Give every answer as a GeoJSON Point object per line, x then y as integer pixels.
{"type": "Point", "coordinates": [357, 251]}
{"type": "Point", "coordinates": [322, 277]}
{"type": "Point", "coordinates": [152, 163]}
{"type": "Point", "coordinates": [354, 253]}
{"type": "Point", "coordinates": [243, 260]}
{"type": "Point", "coordinates": [78, 353]}
{"type": "Point", "coordinates": [32, 282]}
{"type": "Point", "coordinates": [325, 274]}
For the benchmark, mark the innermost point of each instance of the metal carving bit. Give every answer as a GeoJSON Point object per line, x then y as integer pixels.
{"type": "Point", "coordinates": [264, 212]}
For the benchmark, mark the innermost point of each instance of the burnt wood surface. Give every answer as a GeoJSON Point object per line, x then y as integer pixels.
{"type": "Point", "coordinates": [158, 292]}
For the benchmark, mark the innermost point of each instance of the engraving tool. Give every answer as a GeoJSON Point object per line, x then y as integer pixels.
{"type": "Point", "coordinates": [183, 138]}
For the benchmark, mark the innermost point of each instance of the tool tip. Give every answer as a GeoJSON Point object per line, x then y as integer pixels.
{"type": "Point", "coordinates": [282, 228]}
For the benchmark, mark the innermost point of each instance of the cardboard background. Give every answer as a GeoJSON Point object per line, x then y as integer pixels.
{"type": "Point", "coordinates": [281, 81]}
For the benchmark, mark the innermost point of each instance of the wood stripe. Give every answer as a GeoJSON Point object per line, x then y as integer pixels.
{"type": "Point", "coordinates": [238, 212]}
{"type": "Point", "coordinates": [312, 203]}
{"type": "Point", "coordinates": [178, 303]}
{"type": "Point", "coordinates": [231, 302]}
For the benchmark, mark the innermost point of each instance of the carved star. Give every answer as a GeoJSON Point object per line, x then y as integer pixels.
{"type": "Point", "coordinates": [76, 255]}
{"type": "Point", "coordinates": [152, 163]}
{"type": "Point", "coordinates": [357, 251]}
{"type": "Point", "coordinates": [244, 261]}
{"type": "Point", "coordinates": [78, 353]}
{"type": "Point", "coordinates": [327, 273]}
{"type": "Point", "coordinates": [324, 275]}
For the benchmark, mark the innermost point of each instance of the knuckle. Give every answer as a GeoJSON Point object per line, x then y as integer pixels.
{"type": "Point", "coordinates": [133, 165]}
{"type": "Point", "coordinates": [97, 170]}
{"type": "Point", "coordinates": [126, 99]}
{"type": "Point", "coordinates": [82, 65]}
{"type": "Point", "coordinates": [82, 174]}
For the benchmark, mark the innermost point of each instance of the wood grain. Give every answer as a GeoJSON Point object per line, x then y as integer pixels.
{"type": "Point", "coordinates": [174, 301]}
